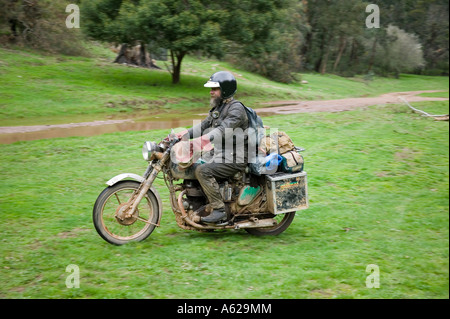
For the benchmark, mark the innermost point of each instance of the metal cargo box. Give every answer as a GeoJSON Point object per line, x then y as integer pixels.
{"type": "Point", "coordinates": [286, 192]}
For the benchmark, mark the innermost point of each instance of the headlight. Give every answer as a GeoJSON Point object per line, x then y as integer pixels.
{"type": "Point", "coordinates": [149, 149]}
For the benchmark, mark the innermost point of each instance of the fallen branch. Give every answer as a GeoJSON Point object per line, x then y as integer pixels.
{"type": "Point", "coordinates": [443, 117]}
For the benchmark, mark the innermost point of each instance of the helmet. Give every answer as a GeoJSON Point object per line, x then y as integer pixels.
{"type": "Point", "coordinates": [225, 81]}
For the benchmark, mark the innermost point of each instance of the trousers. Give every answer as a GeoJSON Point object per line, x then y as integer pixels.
{"type": "Point", "coordinates": [207, 175]}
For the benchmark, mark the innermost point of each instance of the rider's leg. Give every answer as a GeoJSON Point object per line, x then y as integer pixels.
{"type": "Point", "coordinates": [207, 175]}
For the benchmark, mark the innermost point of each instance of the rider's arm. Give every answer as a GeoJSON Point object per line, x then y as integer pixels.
{"type": "Point", "coordinates": [197, 130]}
{"type": "Point", "coordinates": [236, 117]}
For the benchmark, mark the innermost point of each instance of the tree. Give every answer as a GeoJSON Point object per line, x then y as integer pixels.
{"type": "Point", "coordinates": [251, 28]}
{"type": "Point", "coordinates": [265, 36]}
{"type": "Point", "coordinates": [39, 25]}
{"type": "Point", "coordinates": [429, 20]}
{"type": "Point", "coordinates": [114, 21]}
{"type": "Point", "coordinates": [178, 26]}
{"type": "Point", "coordinates": [402, 52]}
{"type": "Point", "coordinates": [333, 25]}
{"type": "Point", "coordinates": [181, 27]}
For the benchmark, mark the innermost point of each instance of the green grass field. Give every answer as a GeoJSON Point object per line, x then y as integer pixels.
{"type": "Point", "coordinates": [378, 185]}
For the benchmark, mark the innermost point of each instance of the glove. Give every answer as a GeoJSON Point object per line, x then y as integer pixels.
{"type": "Point", "coordinates": [202, 144]}
{"type": "Point", "coordinates": [181, 134]}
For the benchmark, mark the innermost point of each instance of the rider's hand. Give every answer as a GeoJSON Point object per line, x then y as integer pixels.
{"type": "Point", "coordinates": [179, 135]}
{"type": "Point", "coordinates": [202, 143]}
{"type": "Point", "coordinates": [182, 134]}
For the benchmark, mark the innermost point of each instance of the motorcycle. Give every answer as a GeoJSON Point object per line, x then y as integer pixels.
{"type": "Point", "coordinates": [130, 208]}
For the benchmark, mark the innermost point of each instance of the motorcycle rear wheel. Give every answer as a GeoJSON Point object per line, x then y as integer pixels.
{"type": "Point", "coordinates": [280, 227]}
{"type": "Point", "coordinates": [136, 228]}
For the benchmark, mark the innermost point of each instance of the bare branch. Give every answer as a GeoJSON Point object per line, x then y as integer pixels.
{"type": "Point", "coordinates": [443, 117]}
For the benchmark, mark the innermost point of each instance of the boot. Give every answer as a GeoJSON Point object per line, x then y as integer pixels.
{"type": "Point", "coordinates": [216, 216]}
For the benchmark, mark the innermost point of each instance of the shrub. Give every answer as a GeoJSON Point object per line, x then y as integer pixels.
{"type": "Point", "coordinates": [39, 25]}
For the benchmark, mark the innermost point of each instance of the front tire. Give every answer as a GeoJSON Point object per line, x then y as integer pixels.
{"type": "Point", "coordinates": [281, 226]}
{"type": "Point", "coordinates": [136, 228]}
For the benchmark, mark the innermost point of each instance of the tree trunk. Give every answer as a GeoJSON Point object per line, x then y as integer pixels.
{"type": "Point", "coordinates": [317, 66]}
{"type": "Point", "coordinates": [354, 54]}
{"type": "Point", "coordinates": [372, 56]}
{"type": "Point", "coordinates": [176, 58]}
{"type": "Point", "coordinates": [121, 58]}
{"type": "Point", "coordinates": [323, 67]}
{"type": "Point", "coordinates": [136, 55]}
{"type": "Point", "coordinates": [305, 49]}
{"type": "Point", "coordinates": [342, 45]}
{"type": "Point", "coordinates": [143, 61]}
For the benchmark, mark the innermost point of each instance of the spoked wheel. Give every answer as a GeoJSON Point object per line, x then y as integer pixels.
{"type": "Point", "coordinates": [283, 222]}
{"type": "Point", "coordinates": [119, 231]}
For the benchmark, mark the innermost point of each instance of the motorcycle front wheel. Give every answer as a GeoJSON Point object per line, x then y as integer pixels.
{"type": "Point", "coordinates": [136, 228]}
{"type": "Point", "coordinates": [283, 222]}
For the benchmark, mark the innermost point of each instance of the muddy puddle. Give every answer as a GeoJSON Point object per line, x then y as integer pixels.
{"type": "Point", "coordinates": [27, 133]}
{"type": "Point", "coordinates": [14, 134]}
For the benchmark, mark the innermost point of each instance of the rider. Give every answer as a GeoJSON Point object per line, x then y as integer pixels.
{"type": "Point", "coordinates": [227, 121]}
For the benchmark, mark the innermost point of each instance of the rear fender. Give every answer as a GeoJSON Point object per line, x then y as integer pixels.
{"type": "Point", "coordinates": [139, 179]}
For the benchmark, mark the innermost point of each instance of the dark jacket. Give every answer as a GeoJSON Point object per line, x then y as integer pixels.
{"type": "Point", "coordinates": [226, 126]}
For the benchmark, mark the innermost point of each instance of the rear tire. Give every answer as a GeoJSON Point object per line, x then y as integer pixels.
{"type": "Point", "coordinates": [133, 229]}
{"type": "Point", "coordinates": [275, 230]}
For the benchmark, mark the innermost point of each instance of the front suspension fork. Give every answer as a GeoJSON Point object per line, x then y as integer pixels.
{"type": "Point", "coordinates": [136, 198]}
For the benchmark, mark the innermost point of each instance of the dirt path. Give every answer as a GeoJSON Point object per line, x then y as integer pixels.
{"type": "Point", "coordinates": [278, 107]}
{"type": "Point", "coordinates": [36, 128]}
{"type": "Point", "coordinates": [289, 107]}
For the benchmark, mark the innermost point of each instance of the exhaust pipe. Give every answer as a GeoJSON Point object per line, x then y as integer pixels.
{"type": "Point", "coordinates": [255, 223]}
{"type": "Point", "coordinates": [262, 223]}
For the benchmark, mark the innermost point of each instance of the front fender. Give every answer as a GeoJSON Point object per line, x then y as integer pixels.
{"type": "Point", "coordinates": [139, 179]}
{"type": "Point", "coordinates": [121, 177]}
